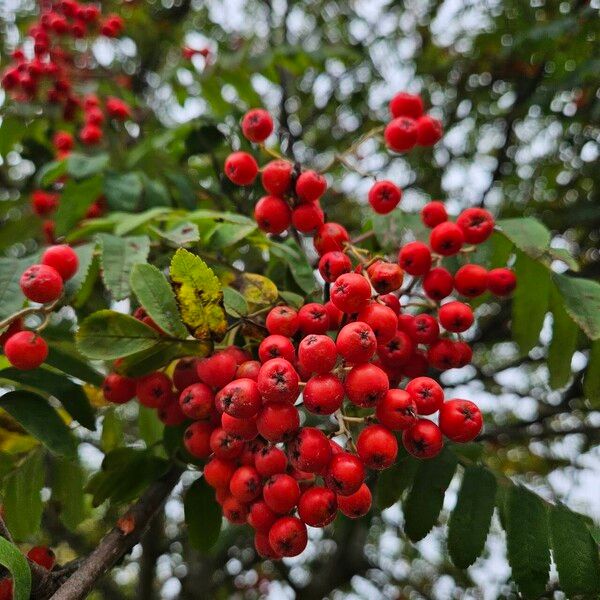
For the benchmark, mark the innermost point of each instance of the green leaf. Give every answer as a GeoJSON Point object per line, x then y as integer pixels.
{"type": "Point", "coordinates": [80, 166]}
{"type": "Point", "coordinates": [563, 344]}
{"type": "Point", "coordinates": [66, 359]}
{"type": "Point", "coordinates": [157, 298]}
{"type": "Point", "coordinates": [107, 334]}
{"type": "Point", "coordinates": [11, 297]}
{"type": "Point", "coordinates": [123, 191]}
{"type": "Point", "coordinates": [235, 303]}
{"type": "Point", "coordinates": [298, 265]}
{"type": "Point", "coordinates": [470, 520]}
{"type": "Point", "coordinates": [184, 233]}
{"type": "Point", "coordinates": [50, 172]}
{"type": "Point", "coordinates": [16, 563]}
{"type": "Point", "coordinates": [226, 235]}
{"type": "Point", "coordinates": [528, 541]}
{"type": "Point", "coordinates": [22, 501]}
{"type": "Point", "coordinates": [575, 554]}
{"type": "Point", "coordinates": [392, 482]}
{"type": "Point", "coordinates": [38, 418]}
{"type": "Point", "coordinates": [391, 229]}
{"type": "Point", "coordinates": [527, 234]}
{"type": "Point", "coordinates": [155, 192]}
{"type": "Point", "coordinates": [150, 426]}
{"type": "Point", "coordinates": [68, 482]}
{"type": "Point", "coordinates": [426, 497]}
{"type": "Point", "coordinates": [199, 295]}
{"type": "Point", "coordinates": [112, 430]}
{"type": "Point", "coordinates": [530, 301]}
{"type": "Point", "coordinates": [582, 302]}
{"type": "Point", "coordinates": [76, 198]}
{"type": "Point", "coordinates": [118, 256]}
{"type": "Point", "coordinates": [85, 255]}
{"type": "Point", "coordinates": [204, 139]}
{"type": "Point", "coordinates": [203, 516]}
{"type": "Point", "coordinates": [591, 380]}
{"type": "Point", "coordinates": [294, 300]}
{"type": "Point", "coordinates": [127, 222]}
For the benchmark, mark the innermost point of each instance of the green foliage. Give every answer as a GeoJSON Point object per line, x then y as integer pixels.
{"type": "Point", "coordinates": [202, 515]}
{"type": "Point", "coordinates": [582, 302]}
{"type": "Point", "coordinates": [591, 382]}
{"type": "Point", "coordinates": [16, 563]}
{"type": "Point", "coordinates": [563, 344]}
{"type": "Point", "coordinates": [68, 482]}
{"type": "Point", "coordinates": [393, 482]}
{"type": "Point", "coordinates": [76, 198]}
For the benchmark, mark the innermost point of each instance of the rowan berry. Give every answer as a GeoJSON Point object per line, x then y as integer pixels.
{"type": "Point", "coordinates": [406, 105]}
{"type": "Point", "coordinates": [278, 381]}
{"type": "Point", "coordinates": [249, 369]}
{"type": "Point", "coordinates": [443, 355]}
{"type": "Point", "coordinates": [43, 556]}
{"type": "Point", "coordinates": [282, 320]}
{"type": "Point", "coordinates": [345, 473]}
{"type": "Point", "coordinates": [329, 237]}
{"type": "Point", "coordinates": [317, 506]}
{"type": "Point", "coordinates": [281, 493]}
{"type": "Point", "coordinates": [396, 410]}
{"type": "Point", "coordinates": [471, 280]}
{"type": "Point", "coordinates": [333, 264]}
{"type": "Point", "coordinates": [170, 413]}
{"type": "Point", "coordinates": [377, 447]}
{"type": "Point", "coordinates": [415, 258]}
{"type": "Point", "coordinates": [366, 385]}
{"type": "Point", "coordinates": [224, 445]}
{"type": "Point", "coordinates": [196, 439]}
{"type": "Point", "coordinates": [501, 282]}
{"type": "Point", "coordinates": [310, 186]}
{"type": "Point", "coordinates": [382, 320]}
{"type": "Point", "coordinates": [401, 134]}
{"type": "Point", "coordinates": [118, 388]}
{"type": "Point", "coordinates": [356, 505]}
{"type": "Point", "coordinates": [261, 517]}
{"type": "Point", "coordinates": [313, 318]}
{"type": "Point", "coordinates": [217, 370]}
{"type": "Point", "coordinates": [477, 224]}
{"type": "Point", "coordinates": [455, 316]}
{"type": "Point", "coordinates": [384, 196]}
{"type": "Point", "coordinates": [317, 354]}
{"type": "Point", "coordinates": [41, 283]}
{"type": "Point", "coordinates": [446, 238]}
{"type": "Point", "coordinates": [245, 429]}
{"type": "Point", "coordinates": [240, 398]}
{"type": "Point", "coordinates": [356, 342]}
{"type": "Point", "coordinates": [429, 131]}
{"type": "Point", "coordinates": [397, 351]}
{"type": "Point", "coordinates": [427, 395]}
{"type": "Point", "coordinates": [423, 440]}
{"type": "Point", "coordinates": [385, 277]}
{"type": "Point", "coordinates": [350, 292]}
{"type": "Point", "coordinates": [153, 389]}
{"type": "Point", "coordinates": [307, 218]}
{"type": "Point", "coordinates": [391, 301]}
{"type": "Point", "coordinates": [270, 460]}
{"type": "Point", "coordinates": [241, 168]}
{"type": "Point", "coordinates": [197, 401]}
{"type": "Point", "coordinates": [323, 394]}
{"type": "Point", "coordinates": [276, 177]}
{"type": "Point", "coordinates": [423, 329]}
{"type": "Point", "coordinates": [309, 450]}
{"type": "Point", "coordinates": [276, 346]}
{"type": "Point", "coordinates": [277, 421]}
{"type": "Point", "coordinates": [433, 213]}
{"type": "Point", "coordinates": [263, 546]}
{"type": "Point", "coordinates": [235, 511]}
{"type": "Point", "coordinates": [257, 125]}
{"type": "Point", "coordinates": [288, 536]}
{"type": "Point", "coordinates": [438, 283]}
{"type": "Point", "coordinates": [460, 420]}
{"type": "Point", "coordinates": [272, 214]}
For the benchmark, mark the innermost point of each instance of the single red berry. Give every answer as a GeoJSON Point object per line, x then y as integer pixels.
{"type": "Point", "coordinates": [118, 389]}
{"type": "Point", "coordinates": [153, 389]}
{"type": "Point", "coordinates": [406, 105]}
{"type": "Point", "coordinates": [366, 385]}
{"type": "Point", "coordinates": [423, 329]}
{"type": "Point", "coordinates": [272, 214]}
{"type": "Point", "coordinates": [382, 320]}
{"type": "Point", "coordinates": [249, 369]}
{"type": "Point", "coordinates": [6, 587]}
{"type": "Point", "coordinates": [309, 450]}
{"type": "Point", "coordinates": [263, 546]}
{"type": "Point", "coordinates": [446, 238]}
{"type": "Point", "coordinates": [41, 283]}
{"type": "Point", "coordinates": [333, 264]}
{"type": "Point", "coordinates": [278, 381]}
{"type": "Point", "coordinates": [384, 196]}
{"type": "Point", "coordinates": [329, 237]}
{"type": "Point", "coordinates": [288, 536]}
{"type": "Point", "coordinates": [417, 365]}
{"type": "Point", "coordinates": [276, 346]}
{"type": "Point", "coordinates": [270, 460]}
{"type": "Point", "coordinates": [356, 505]}
{"type": "Point", "coordinates": [427, 395]}
{"type": "Point", "coordinates": [323, 394]}
{"type": "Point", "coordinates": [463, 352]}
{"type": "Point", "coordinates": [217, 370]}
{"type": "Point", "coordinates": [26, 350]}
{"type": "Point", "coordinates": [397, 351]}
{"type": "Point", "coordinates": [377, 447]}
{"type": "Point", "coordinates": [401, 134]}
{"type": "Point", "coordinates": [313, 318]}
{"type": "Point", "coordinates": [471, 280]}
{"type": "Point", "coordinates": [433, 213]}
{"type": "Point", "coordinates": [335, 316]}
{"type": "Point", "coordinates": [423, 440]}
{"type": "Point", "coordinates": [44, 203]}
{"type": "Point", "coordinates": [197, 439]}
{"type": "Point", "coordinates": [345, 473]}
{"type": "Point", "coordinates": [63, 141]}
{"type": "Point", "coordinates": [257, 125]}
{"type": "Point", "coordinates": [170, 413]}
{"type": "Point", "coordinates": [477, 224]}
{"type": "Point", "coordinates": [282, 320]}
{"type": "Point", "coordinates": [281, 493]}
{"type": "Point", "coordinates": [429, 131]}
{"type": "Point", "coordinates": [118, 109]}
{"type": "Point", "coordinates": [244, 429]}
{"type": "Point", "coordinates": [396, 410]}
{"type": "Point", "coordinates": [91, 135]}
{"type": "Point", "coordinates": [197, 401]}
{"type": "Point", "coordinates": [261, 517]}
{"type": "Point", "coordinates": [385, 277]}
{"type": "Point", "coordinates": [224, 445]}
{"type": "Point", "coordinates": [438, 283]}
{"type": "Point", "coordinates": [277, 177]}
{"type": "Point", "coordinates": [391, 301]}
{"type": "Point", "coordinates": [356, 342]}
{"type": "Point", "coordinates": [460, 420]}
{"type": "Point", "coordinates": [317, 354]}
{"type": "Point", "coordinates": [350, 292]}
{"type": "Point", "coordinates": [278, 421]}
{"type": "Point", "coordinates": [241, 168]}
{"type": "Point", "coordinates": [43, 556]}
{"type": "Point", "coordinates": [501, 282]}
{"type": "Point", "coordinates": [235, 511]}
{"type": "Point", "coordinates": [240, 398]}
{"type": "Point", "coordinates": [245, 484]}
{"type": "Point", "coordinates": [63, 259]}
{"type": "Point", "coordinates": [185, 373]}
{"type": "Point", "coordinates": [455, 316]}
{"type": "Point", "coordinates": [415, 258]}
{"type": "Point", "coordinates": [310, 186]}
{"type": "Point", "coordinates": [317, 506]}
{"type": "Point", "coordinates": [307, 218]}
{"type": "Point", "coordinates": [443, 355]}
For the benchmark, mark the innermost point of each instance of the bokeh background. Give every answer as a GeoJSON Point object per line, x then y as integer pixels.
{"type": "Point", "coordinates": [517, 86]}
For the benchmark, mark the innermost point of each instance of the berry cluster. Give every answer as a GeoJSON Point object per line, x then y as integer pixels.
{"type": "Point", "coordinates": [43, 284]}
{"type": "Point", "coordinates": [41, 555]}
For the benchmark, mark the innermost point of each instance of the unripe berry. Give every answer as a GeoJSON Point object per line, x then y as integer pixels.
{"type": "Point", "coordinates": [385, 277]}
{"type": "Point", "coordinates": [406, 105]}
{"type": "Point", "coordinates": [433, 213]}
{"type": "Point", "coordinates": [345, 473]}
{"type": "Point", "coordinates": [366, 385]}
{"type": "Point", "coordinates": [281, 493]}
{"type": "Point", "coordinates": [424, 440]}
{"type": "Point", "coordinates": [333, 264]}
{"type": "Point", "coordinates": [257, 125]}
{"type": "Point", "coordinates": [118, 389]}
{"type": "Point", "coordinates": [356, 342]}
{"type": "Point", "coordinates": [460, 420]}
{"type": "Point", "coordinates": [427, 395]}
{"type": "Point", "coordinates": [323, 394]}
{"type": "Point", "coordinates": [384, 196]}
{"type": "Point", "coordinates": [329, 237]}
{"type": "Point", "coordinates": [278, 381]}
{"type": "Point", "coordinates": [63, 259]}
{"type": "Point", "coordinates": [501, 282]}
{"type": "Point", "coordinates": [396, 410]}
{"type": "Point", "coordinates": [317, 506]}
{"type": "Point", "coordinates": [197, 401]}
{"type": "Point", "coordinates": [153, 389]}
{"type": "Point", "coordinates": [446, 238]}
{"type": "Point", "coordinates": [401, 134]}
{"type": "Point", "coordinates": [41, 283]}
{"type": "Point", "coordinates": [270, 460]}
{"type": "Point", "coordinates": [240, 398]}
{"type": "Point", "coordinates": [224, 445]}
{"type": "Point", "coordinates": [415, 258]}
{"type": "Point", "coordinates": [350, 292]}
{"type": "Point", "coordinates": [455, 316]}
{"type": "Point", "coordinates": [429, 131]}
{"type": "Point", "coordinates": [241, 168]}
{"type": "Point", "coordinates": [471, 280]}
{"type": "Point", "coordinates": [397, 351]}
{"type": "Point", "coordinates": [356, 505]}
{"type": "Point", "coordinates": [282, 320]}
{"type": "Point", "coordinates": [272, 214]}
{"type": "Point", "coordinates": [197, 439]}
{"type": "Point", "coordinates": [382, 320]}
{"type": "Point", "coordinates": [277, 421]}
{"type": "Point", "coordinates": [261, 517]}
{"type": "Point", "coordinates": [217, 370]}
{"type": "Point", "coordinates": [377, 447]}
{"type": "Point", "coordinates": [313, 318]}
{"type": "Point", "coordinates": [309, 450]}
{"type": "Point", "coordinates": [288, 536]}
{"type": "Point", "coordinates": [317, 354]}
{"type": "Point", "coordinates": [310, 186]}
{"type": "Point", "coordinates": [477, 224]}
{"type": "Point", "coordinates": [438, 283]}
{"type": "Point", "coordinates": [277, 177]}
{"type": "Point", "coordinates": [276, 346]}
{"type": "Point", "coordinates": [26, 350]}
{"type": "Point", "coordinates": [307, 218]}
{"type": "Point", "coordinates": [43, 556]}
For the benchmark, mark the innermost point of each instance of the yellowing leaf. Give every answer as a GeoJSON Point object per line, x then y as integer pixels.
{"type": "Point", "coordinates": [258, 290]}
{"type": "Point", "coordinates": [95, 396]}
{"type": "Point", "coordinates": [13, 438]}
{"type": "Point", "coordinates": [199, 295]}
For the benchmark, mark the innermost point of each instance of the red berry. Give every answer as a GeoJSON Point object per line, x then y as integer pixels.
{"type": "Point", "coordinates": [427, 395]}
{"type": "Point", "coordinates": [433, 213]}
{"type": "Point", "coordinates": [170, 413]}
{"type": "Point", "coordinates": [471, 280]}
{"type": "Point", "coordinates": [185, 373]}
{"type": "Point", "coordinates": [245, 429]}
{"type": "Point", "coordinates": [317, 506]}
{"type": "Point", "coordinates": [15, 326]}
{"type": "Point", "coordinates": [382, 320]}
{"type": "Point", "coordinates": [26, 350]}
{"type": "Point", "coordinates": [356, 505]}
{"type": "Point", "coordinates": [366, 385]}
{"type": "Point", "coordinates": [118, 389]}
{"type": "Point", "coordinates": [261, 517]}
{"type": "Point", "coordinates": [317, 354]}
{"type": "Point", "coordinates": [350, 292]}
{"type": "Point", "coordinates": [463, 353]}
{"type": "Point", "coordinates": [415, 258]}
{"type": "Point", "coordinates": [224, 445]}
{"type": "Point", "coordinates": [446, 238]}
{"type": "Point", "coordinates": [384, 196]}
{"type": "Point", "coordinates": [477, 224]}
{"type": "Point", "coordinates": [443, 355]}
{"type": "Point", "coordinates": [397, 351]}
{"type": "Point", "coordinates": [406, 105]}
{"type": "Point", "coordinates": [43, 556]}
{"type": "Point", "coordinates": [118, 109]}
{"type": "Point", "coordinates": [277, 177]}
{"type": "Point", "coordinates": [309, 450]}
{"type": "Point", "coordinates": [323, 394]}
{"type": "Point", "coordinates": [501, 282]}
{"type": "Point", "coordinates": [41, 283]}
{"type": "Point", "coordinates": [63, 141]}
{"type": "Point", "coordinates": [401, 134]}
{"type": "Point", "coordinates": [245, 484]}
{"type": "Point", "coordinates": [438, 283]}
{"type": "Point", "coordinates": [276, 346]}
{"type": "Point", "coordinates": [310, 186]}
{"type": "Point", "coordinates": [281, 493]}
{"type": "Point", "coordinates": [282, 320]}
{"type": "Point", "coordinates": [6, 587]}
{"type": "Point", "coordinates": [278, 421]}
{"type": "Point", "coordinates": [249, 369]}
{"type": "Point", "coordinates": [197, 401]}
{"type": "Point", "coordinates": [313, 318]}
{"type": "Point", "coordinates": [288, 536]}
{"type": "Point", "coordinates": [235, 511]}
{"type": "Point", "coordinates": [429, 131]}
{"type": "Point", "coordinates": [278, 381]}
{"type": "Point", "coordinates": [455, 316]}
{"type": "Point", "coordinates": [91, 135]}
{"type": "Point", "coordinates": [345, 473]}
{"type": "Point", "coordinates": [377, 447]}
{"type": "Point", "coordinates": [218, 472]}
{"type": "Point", "coordinates": [240, 398]}
{"type": "Point", "coordinates": [356, 342]}
{"type": "Point", "coordinates": [217, 370]}
{"type": "Point", "coordinates": [270, 460]}
{"type": "Point", "coordinates": [263, 546]}
{"type": "Point", "coordinates": [63, 259]}
{"type": "Point", "coordinates": [329, 237]}
{"type": "Point", "coordinates": [241, 168]}
{"type": "Point", "coordinates": [334, 314]}
{"type": "Point", "coordinates": [44, 203]}
{"type": "Point", "coordinates": [307, 218]}
{"type": "Point", "coordinates": [460, 420]}
{"type": "Point", "coordinates": [197, 439]}
{"type": "Point", "coordinates": [272, 214]}
{"type": "Point", "coordinates": [333, 264]}
{"type": "Point", "coordinates": [391, 301]}
{"type": "Point", "coordinates": [257, 125]}
{"type": "Point", "coordinates": [424, 440]}
{"type": "Point", "coordinates": [153, 389]}
{"type": "Point", "coordinates": [385, 277]}
{"type": "Point", "coordinates": [417, 365]}
{"type": "Point", "coordinates": [423, 329]}
{"type": "Point", "coordinates": [396, 410]}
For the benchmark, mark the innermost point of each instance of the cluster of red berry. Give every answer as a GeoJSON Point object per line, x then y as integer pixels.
{"type": "Point", "coordinates": [41, 283]}
{"type": "Point", "coordinates": [41, 555]}
{"type": "Point", "coordinates": [49, 71]}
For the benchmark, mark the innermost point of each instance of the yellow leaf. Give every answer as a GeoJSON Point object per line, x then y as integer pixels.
{"type": "Point", "coordinates": [95, 396]}
{"type": "Point", "coordinates": [199, 295]}
{"type": "Point", "coordinates": [258, 290]}
{"type": "Point", "coordinates": [13, 438]}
